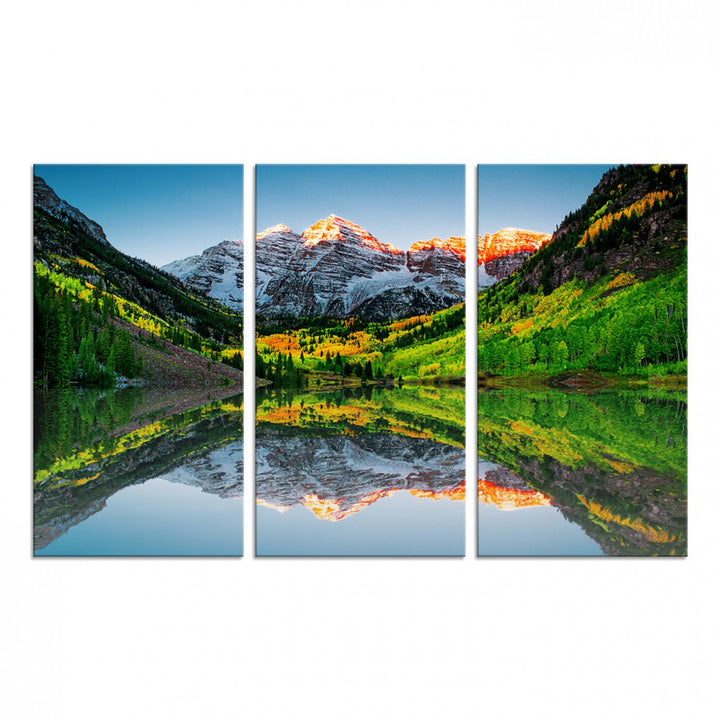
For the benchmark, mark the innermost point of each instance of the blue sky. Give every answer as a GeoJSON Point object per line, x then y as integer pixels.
{"type": "Point", "coordinates": [167, 212]}
{"type": "Point", "coordinates": [156, 212]}
{"type": "Point", "coordinates": [399, 204]}
{"type": "Point", "coordinates": [532, 197]}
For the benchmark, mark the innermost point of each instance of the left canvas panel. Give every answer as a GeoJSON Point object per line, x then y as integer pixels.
{"type": "Point", "coordinates": [138, 363]}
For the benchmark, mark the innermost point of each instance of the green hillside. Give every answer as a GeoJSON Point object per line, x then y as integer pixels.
{"type": "Point", "coordinates": [607, 294]}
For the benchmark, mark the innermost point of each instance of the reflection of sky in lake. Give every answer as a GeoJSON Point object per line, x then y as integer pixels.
{"type": "Point", "coordinates": [530, 531]}
{"type": "Point", "coordinates": [397, 525]}
{"type": "Point", "coordinates": [157, 517]}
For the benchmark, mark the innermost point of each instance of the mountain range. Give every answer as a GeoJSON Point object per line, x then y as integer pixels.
{"type": "Point", "coordinates": [336, 268]}
{"type": "Point", "coordinates": [606, 292]}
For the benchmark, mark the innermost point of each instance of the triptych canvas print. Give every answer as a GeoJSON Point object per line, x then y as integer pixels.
{"type": "Point", "coordinates": [359, 360]}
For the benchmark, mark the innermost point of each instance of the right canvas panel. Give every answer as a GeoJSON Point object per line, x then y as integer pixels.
{"type": "Point", "coordinates": [582, 360]}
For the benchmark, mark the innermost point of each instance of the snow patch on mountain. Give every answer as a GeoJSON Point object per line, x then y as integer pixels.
{"type": "Point", "coordinates": [218, 272]}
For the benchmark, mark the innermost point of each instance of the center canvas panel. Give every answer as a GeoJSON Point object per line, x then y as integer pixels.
{"type": "Point", "coordinates": [360, 315]}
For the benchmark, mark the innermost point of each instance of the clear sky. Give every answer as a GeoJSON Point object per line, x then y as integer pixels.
{"type": "Point", "coordinates": [532, 197]}
{"type": "Point", "coordinates": [399, 204]}
{"type": "Point", "coordinates": [155, 212]}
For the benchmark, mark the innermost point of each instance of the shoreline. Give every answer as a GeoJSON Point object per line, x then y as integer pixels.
{"type": "Point", "coordinates": [584, 380]}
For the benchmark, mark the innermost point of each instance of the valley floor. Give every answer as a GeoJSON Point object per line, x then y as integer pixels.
{"type": "Point", "coordinates": [170, 366]}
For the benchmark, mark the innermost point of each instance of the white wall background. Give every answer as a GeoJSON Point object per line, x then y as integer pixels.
{"type": "Point", "coordinates": [518, 81]}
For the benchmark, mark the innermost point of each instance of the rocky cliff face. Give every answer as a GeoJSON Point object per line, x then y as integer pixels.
{"type": "Point", "coordinates": [438, 256]}
{"type": "Point", "coordinates": [634, 221]}
{"type": "Point", "coordinates": [500, 254]}
{"type": "Point", "coordinates": [334, 268]}
{"type": "Point", "coordinates": [337, 268]}
{"type": "Point", "coordinates": [328, 270]}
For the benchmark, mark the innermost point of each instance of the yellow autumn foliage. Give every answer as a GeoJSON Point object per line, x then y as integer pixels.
{"type": "Point", "coordinates": [639, 208]}
{"type": "Point", "coordinates": [651, 534]}
{"type": "Point", "coordinates": [621, 280]}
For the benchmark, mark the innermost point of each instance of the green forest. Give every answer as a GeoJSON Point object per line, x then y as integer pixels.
{"type": "Point", "coordinates": [616, 325]}
{"type": "Point", "coordinates": [75, 340]}
{"type": "Point", "coordinates": [88, 337]}
{"type": "Point", "coordinates": [312, 352]}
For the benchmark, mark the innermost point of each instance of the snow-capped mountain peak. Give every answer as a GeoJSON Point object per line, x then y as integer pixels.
{"type": "Point", "coordinates": [274, 230]}
{"type": "Point", "coordinates": [337, 268]}
{"type": "Point", "coordinates": [335, 228]}
{"type": "Point", "coordinates": [217, 272]}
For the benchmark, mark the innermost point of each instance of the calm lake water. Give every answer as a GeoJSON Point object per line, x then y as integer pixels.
{"type": "Point", "coordinates": [374, 472]}
{"type": "Point", "coordinates": [136, 473]}
{"type": "Point", "coordinates": [569, 473]}
{"type": "Point", "coordinates": [363, 472]}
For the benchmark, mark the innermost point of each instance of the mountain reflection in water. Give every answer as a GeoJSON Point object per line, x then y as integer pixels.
{"type": "Point", "coordinates": [583, 474]}
{"type": "Point", "coordinates": [100, 457]}
{"type": "Point", "coordinates": [367, 465]}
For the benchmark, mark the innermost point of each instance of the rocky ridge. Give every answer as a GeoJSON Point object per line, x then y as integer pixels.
{"type": "Point", "coordinates": [66, 240]}
{"type": "Point", "coordinates": [336, 268]}
{"type": "Point", "coordinates": [44, 197]}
